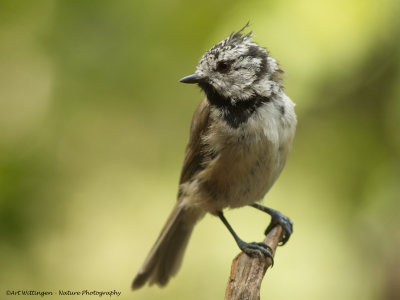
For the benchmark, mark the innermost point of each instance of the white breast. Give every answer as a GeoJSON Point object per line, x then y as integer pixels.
{"type": "Point", "coordinates": [249, 159]}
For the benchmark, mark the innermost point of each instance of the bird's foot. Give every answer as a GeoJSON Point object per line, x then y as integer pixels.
{"type": "Point", "coordinates": [256, 249]}
{"type": "Point", "coordinates": [285, 222]}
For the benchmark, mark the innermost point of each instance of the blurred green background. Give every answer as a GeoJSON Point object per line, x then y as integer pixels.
{"type": "Point", "coordinates": [93, 126]}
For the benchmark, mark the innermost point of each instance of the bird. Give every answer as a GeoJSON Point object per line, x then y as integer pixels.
{"type": "Point", "coordinates": [239, 141]}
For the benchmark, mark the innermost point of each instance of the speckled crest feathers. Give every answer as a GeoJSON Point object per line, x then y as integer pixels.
{"type": "Point", "coordinates": [235, 38]}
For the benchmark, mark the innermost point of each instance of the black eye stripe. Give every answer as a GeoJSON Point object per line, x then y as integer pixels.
{"type": "Point", "coordinates": [255, 51]}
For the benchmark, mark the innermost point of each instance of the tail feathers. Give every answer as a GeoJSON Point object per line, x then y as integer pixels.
{"type": "Point", "coordinates": [167, 253]}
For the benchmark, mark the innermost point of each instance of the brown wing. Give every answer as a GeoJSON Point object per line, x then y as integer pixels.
{"type": "Point", "coordinates": [194, 151]}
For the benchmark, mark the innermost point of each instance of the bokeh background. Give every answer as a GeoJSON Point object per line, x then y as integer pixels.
{"type": "Point", "coordinates": [93, 126]}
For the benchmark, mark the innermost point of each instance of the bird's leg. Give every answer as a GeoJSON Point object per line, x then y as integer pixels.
{"type": "Point", "coordinates": [277, 218]}
{"type": "Point", "coordinates": [250, 249]}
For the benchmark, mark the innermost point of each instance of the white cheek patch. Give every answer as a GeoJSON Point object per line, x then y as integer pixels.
{"type": "Point", "coordinates": [236, 83]}
{"type": "Point", "coordinates": [272, 64]}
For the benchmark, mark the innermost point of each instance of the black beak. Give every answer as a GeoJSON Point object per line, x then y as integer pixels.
{"type": "Point", "coordinates": [194, 78]}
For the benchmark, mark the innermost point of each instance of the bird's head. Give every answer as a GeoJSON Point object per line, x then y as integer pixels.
{"type": "Point", "coordinates": [236, 69]}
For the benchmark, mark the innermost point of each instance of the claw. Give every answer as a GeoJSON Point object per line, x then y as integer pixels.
{"type": "Point", "coordinates": [277, 218]}
{"type": "Point", "coordinates": [258, 249]}
{"type": "Point", "coordinates": [285, 222]}
{"type": "Point", "coordinates": [250, 249]}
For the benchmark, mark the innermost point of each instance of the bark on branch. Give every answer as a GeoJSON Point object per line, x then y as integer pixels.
{"type": "Point", "coordinates": [247, 272]}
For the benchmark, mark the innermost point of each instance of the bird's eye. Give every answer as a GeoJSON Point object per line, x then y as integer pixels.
{"type": "Point", "coordinates": [223, 67]}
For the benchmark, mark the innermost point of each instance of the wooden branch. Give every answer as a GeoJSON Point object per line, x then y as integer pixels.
{"type": "Point", "coordinates": [247, 272]}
